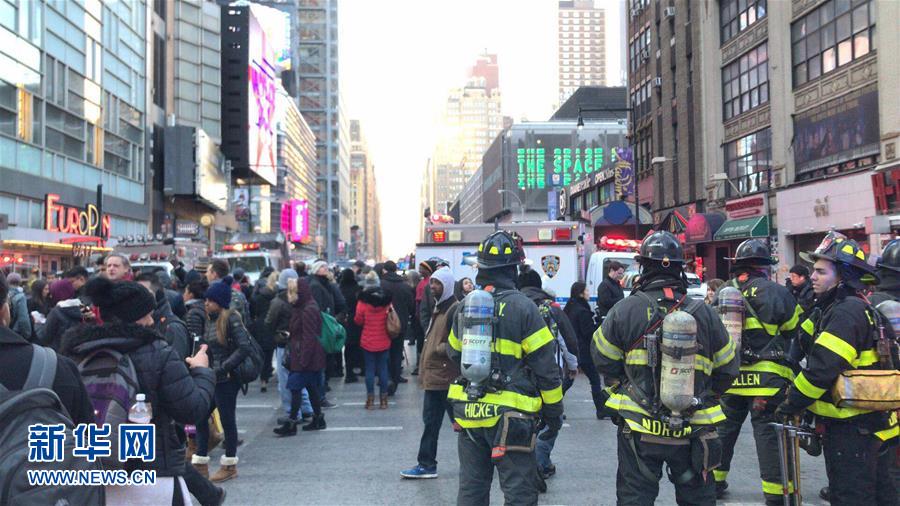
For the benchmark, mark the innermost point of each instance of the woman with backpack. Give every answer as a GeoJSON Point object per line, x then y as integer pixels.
{"type": "Point", "coordinates": [229, 344]}
{"type": "Point", "coordinates": [305, 359]}
{"type": "Point", "coordinates": [175, 392]}
{"type": "Point", "coordinates": [371, 314]}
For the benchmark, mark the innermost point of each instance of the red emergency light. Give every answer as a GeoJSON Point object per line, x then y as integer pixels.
{"type": "Point", "coordinates": [439, 236]}
{"type": "Point", "coordinates": [133, 257]}
{"type": "Point", "coordinates": [251, 246]}
{"type": "Point", "coordinates": [562, 234]}
{"type": "Point", "coordinates": [7, 260]}
{"type": "Point", "coordinates": [619, 244]}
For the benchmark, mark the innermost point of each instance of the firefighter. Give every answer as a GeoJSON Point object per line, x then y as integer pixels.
{"type": "Point", "coordinates": [625, 350]}
{"type": "Point", "coordinates": [771, 317]}
{"type": "Point", "coordinates": [856, 458]}
{"type": "Point", "coordinates": [888, 270]}
{"type": "Point", "coordinates": [510, 380]}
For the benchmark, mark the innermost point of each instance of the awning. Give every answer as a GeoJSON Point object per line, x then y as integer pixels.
{"type": "Point", "coordinates": [758, 226]}
{"type": "Point", "coordinates": [702, 227]}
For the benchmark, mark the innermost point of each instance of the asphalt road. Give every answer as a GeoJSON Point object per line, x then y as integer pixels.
{"type": "Point", "coordinates": [357, 460]}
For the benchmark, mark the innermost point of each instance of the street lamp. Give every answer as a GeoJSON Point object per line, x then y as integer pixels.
{"type": "Point", "coordinates": [501, 191]}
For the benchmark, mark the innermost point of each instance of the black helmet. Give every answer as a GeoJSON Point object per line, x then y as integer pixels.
{"type": "Point", "coordinates": [500, 249]}
{"type": "Point", "coordinates": [661, 246]}
{"type": "Point", "coordinates": [890, 258]}
{"type": "Point", "coordinates": [848, 256]}
{"type": "Point", "coordinates": [753, 251]}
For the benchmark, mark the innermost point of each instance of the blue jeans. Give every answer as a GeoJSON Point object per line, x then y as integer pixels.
{"type": "Point", "coordinates": [226, 402]}
{"type": "Point", "coordinates": [377, 360]}
{"type": "Point", "coordinates": [542, 450]}
{"type": "Point", "coordinates": [305, 406]}
{"type": "Point", "coordinates": [433, 409]}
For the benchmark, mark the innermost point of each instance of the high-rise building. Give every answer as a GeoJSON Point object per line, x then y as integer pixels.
{"type": "Point", "coordinates": [365, 238]}
{"type": "Point", "coordinates": [796, 104]}
{"type": "Point", "coordinates": [582, 46]}
{"type": "Point", "coordinates": [320, 105]}
{"type": "Point", "coordinates": [471, 120]}
{"type": "Point", "coordinates": [73, 115]}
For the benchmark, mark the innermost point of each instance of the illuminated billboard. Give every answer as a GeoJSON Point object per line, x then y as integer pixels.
{"type": "Point", "coordinates": [265, 50]}
{"type": "Point", "coordinates": [295, 220]}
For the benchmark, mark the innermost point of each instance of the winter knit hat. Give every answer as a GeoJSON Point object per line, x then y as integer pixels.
{"type": "Point", "coordinates": [14, 278]}
{"type": "Point", "coordinates": [286, 275]}
{"type": "Point", "coordinates": [61, 290]}
{"type": "Point", "coordinates": [123, 300]}
{"type": "Point", "coordinates": [428, 267]}
{"type": "Point", "coordinates": [316, 266]}
{"type": "Point", "coordinates": [371, 281]}
{"type": "Point", "coordinates": [220, 292]}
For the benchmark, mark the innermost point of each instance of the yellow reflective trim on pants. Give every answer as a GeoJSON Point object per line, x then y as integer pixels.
{"type": "Point", "coordinates": [534, 342]}
{"type": "Point", "coordinates": [751, 323]}
{"type": "Point", "coordinates": [823, 408]}
{"type": "Point", "coordinates": [720, 475]}
{"type": "Point", "coordinates": [753, 392]}
{"type": "Point", "coordinates": [454, 342]}
{"type": "Point", "coordinates": [837, 345]}
{"type": "Point", "coordinates": [891, 432]}
{"type": "Point", "coordinates": [866, 358]}
{"type": "Point", "coordinates": [606, 348]}
{"type": "Point", "coordinates": [621, 402]}
{"type": "Point", "coordinates": [506, 398]}
{"type": "Point", "coordinates": [507, 347]}
{"type": "Point", "coordinates": [724, 355]}
{"type": "Point", "coordinates": [792, 323]}
{"type": "Point", "coordinates": [474, 424]}
{"type": "Point", "coordinates": [776, 488]}
{"type": "Point", "coordinates": [808, 326]}
{"type": "Point", "coordinates": [771, 367]}
{"type": "Point", "coordinates": [708, 416]}
{"type": "Point", "coordinates": [806, 388]}
{"type": "Point", "coordinates": [552, 396]}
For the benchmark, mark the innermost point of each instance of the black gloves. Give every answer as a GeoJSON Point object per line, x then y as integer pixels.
{"type": "Point", "coordinates": [553, 424]}
{"type": "Point", "coordinates": [787, 412]}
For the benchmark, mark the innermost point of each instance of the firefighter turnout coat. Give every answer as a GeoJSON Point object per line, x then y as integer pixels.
{"type": "Point", "coordinates": [843, 340]}
{"type": "Point", "coordinates": [766, 337]}
{"type": "Point", "coordinates": [524, 350]}
{"type": "Point", "coordinates": [619, 353]}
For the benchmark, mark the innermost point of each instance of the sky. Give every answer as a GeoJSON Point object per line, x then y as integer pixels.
{"type": "Point", "coordinates": [398, 59]}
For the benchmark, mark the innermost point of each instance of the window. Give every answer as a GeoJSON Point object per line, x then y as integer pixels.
{"type": "Point", "coordinates": [737, 15]}
{"type": "Point", "coordinates": [745, 82]}
{"type": "Point", "coordinates": [747, 161]}
{"type": "Point", "coordinates": [833, 35]}
{"type": "Point", "coordinates": [639, 50]}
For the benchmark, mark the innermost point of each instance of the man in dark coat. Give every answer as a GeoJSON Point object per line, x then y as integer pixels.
{"type": "Point", "coordinates": [166, 323]}
{"type": "Point", "coordinates": [610, 291]}
{"type": "Point", "coordinates": [404, 301]}
{"type": "Point", "coordinates": [801, 287]}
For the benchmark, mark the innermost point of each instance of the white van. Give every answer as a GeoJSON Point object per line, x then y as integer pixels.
{"type": "Point", "coordinates": [598, 266]}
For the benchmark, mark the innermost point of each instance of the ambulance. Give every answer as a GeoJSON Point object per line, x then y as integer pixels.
{"type": "Point", "coordinates": [557, 250]}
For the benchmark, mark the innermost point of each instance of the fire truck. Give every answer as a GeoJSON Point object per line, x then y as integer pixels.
{"type": "Point", "coordinates": [253, 252]}
{"type": "Point", "coordinates": [557, 250]}
{"type": "Point", "coordinates": [153, 253]}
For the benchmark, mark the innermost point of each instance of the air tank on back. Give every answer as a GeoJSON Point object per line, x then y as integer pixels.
{"type": "Point", "coordinates": [477, 331]}
{"type": "Point", "coordinates": [731, 310]}
{"type": "Point", "coordinates": [678, 354]}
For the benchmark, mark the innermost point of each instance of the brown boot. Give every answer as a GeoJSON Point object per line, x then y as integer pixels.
{"type": "Point", "coordinates": [384, 400]}
{"type": "Point", "coordinates": [370, 401]}
{"type": "Point", "coordinates": [190, 449]}
{"type": "Point", "coordinates": [201, 464]}
{"type": "Point", "coordinates": [227, 471]}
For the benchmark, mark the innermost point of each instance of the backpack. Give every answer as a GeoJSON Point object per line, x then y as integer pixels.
{"type": "Point", "coordinates": [112, 384]}
{"type": "Point", "coordinates": [36, 403]}
{"type": "Point", "coordinates": [333, 335]}
{"type": "Point", "coordinates": [252, 365]}
{"type": "Point", "coordinates": [545, 307]}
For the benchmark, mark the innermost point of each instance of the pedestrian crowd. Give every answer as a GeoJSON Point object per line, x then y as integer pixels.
{"type": "Point", "coordinates": [187, 345]}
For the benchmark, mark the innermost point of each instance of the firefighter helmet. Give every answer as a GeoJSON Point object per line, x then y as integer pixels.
{"type": "Point", "coordinates": [848, 256]}
{"type": "Point", "coordinates": [661, 246]}
{"type": "Point", "coordinates": [753, 251]}
{"type": "Point", "coordinates": [500, 249]}
{"type": "Point", "coordinates": [890, 257]}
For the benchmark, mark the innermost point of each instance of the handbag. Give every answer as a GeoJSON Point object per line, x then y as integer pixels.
{"type": "Point", "coordinates": [393, 323]}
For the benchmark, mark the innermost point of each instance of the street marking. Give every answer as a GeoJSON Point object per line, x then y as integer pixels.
{"type": "Point", "coordinates": [355, 429]}
{"type": "Point", "coordinates": [257, 406]}
{"type": "Point", "coordinates": [566, 425]}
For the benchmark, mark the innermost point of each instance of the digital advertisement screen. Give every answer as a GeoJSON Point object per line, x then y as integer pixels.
{"type": "Point", "coordinates": [543, 158]}
{"type": "Point", "coordinates": [212, 181]}
{"type": "Point", "coordinates": [265, 62]}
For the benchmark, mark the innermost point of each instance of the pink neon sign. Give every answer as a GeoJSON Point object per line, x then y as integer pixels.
{"type": "Point", "coordinates": [295, 220]}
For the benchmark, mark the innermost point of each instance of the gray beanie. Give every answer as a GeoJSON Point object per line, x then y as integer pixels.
{"type": "Point", "coordinates": [316, 266]}
{"type": "Point", "coordinates": [371, 281]}
{"type": "Point", "coordinates": [285, 276]}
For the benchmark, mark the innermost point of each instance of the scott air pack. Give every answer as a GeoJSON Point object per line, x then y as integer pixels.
{"type": "Point", "coordinates": [886, 348]}
{"type": "Point", "coordinates": [477, 324]}
{"type": "Point", "coordinates": [731, 311]}
{"type": "Point", "coordinates": [678, 353]}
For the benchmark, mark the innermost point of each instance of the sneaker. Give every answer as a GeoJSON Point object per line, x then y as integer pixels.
{"type": "Point", "coordinates": [420, 473]}
{"type": "Point", "coordinates": [548, 471]}
{"type": "Point", "coordinates": [402, 380]}
{"type": "Point", "coordinates": [326, 404]}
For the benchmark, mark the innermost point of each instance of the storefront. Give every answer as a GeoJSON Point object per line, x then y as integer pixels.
{"type": "Point", "coordinates": [699, 233]}
{"type": "Point", "coordinates": [69, 237]}
{"type": "Point", "coordinates": [807, 212]}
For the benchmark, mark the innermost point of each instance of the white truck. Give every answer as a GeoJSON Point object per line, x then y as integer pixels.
{"type": "Point", "coordinates": [555, 249]}
{"type": "Point", "coordinates": [253, 252]}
